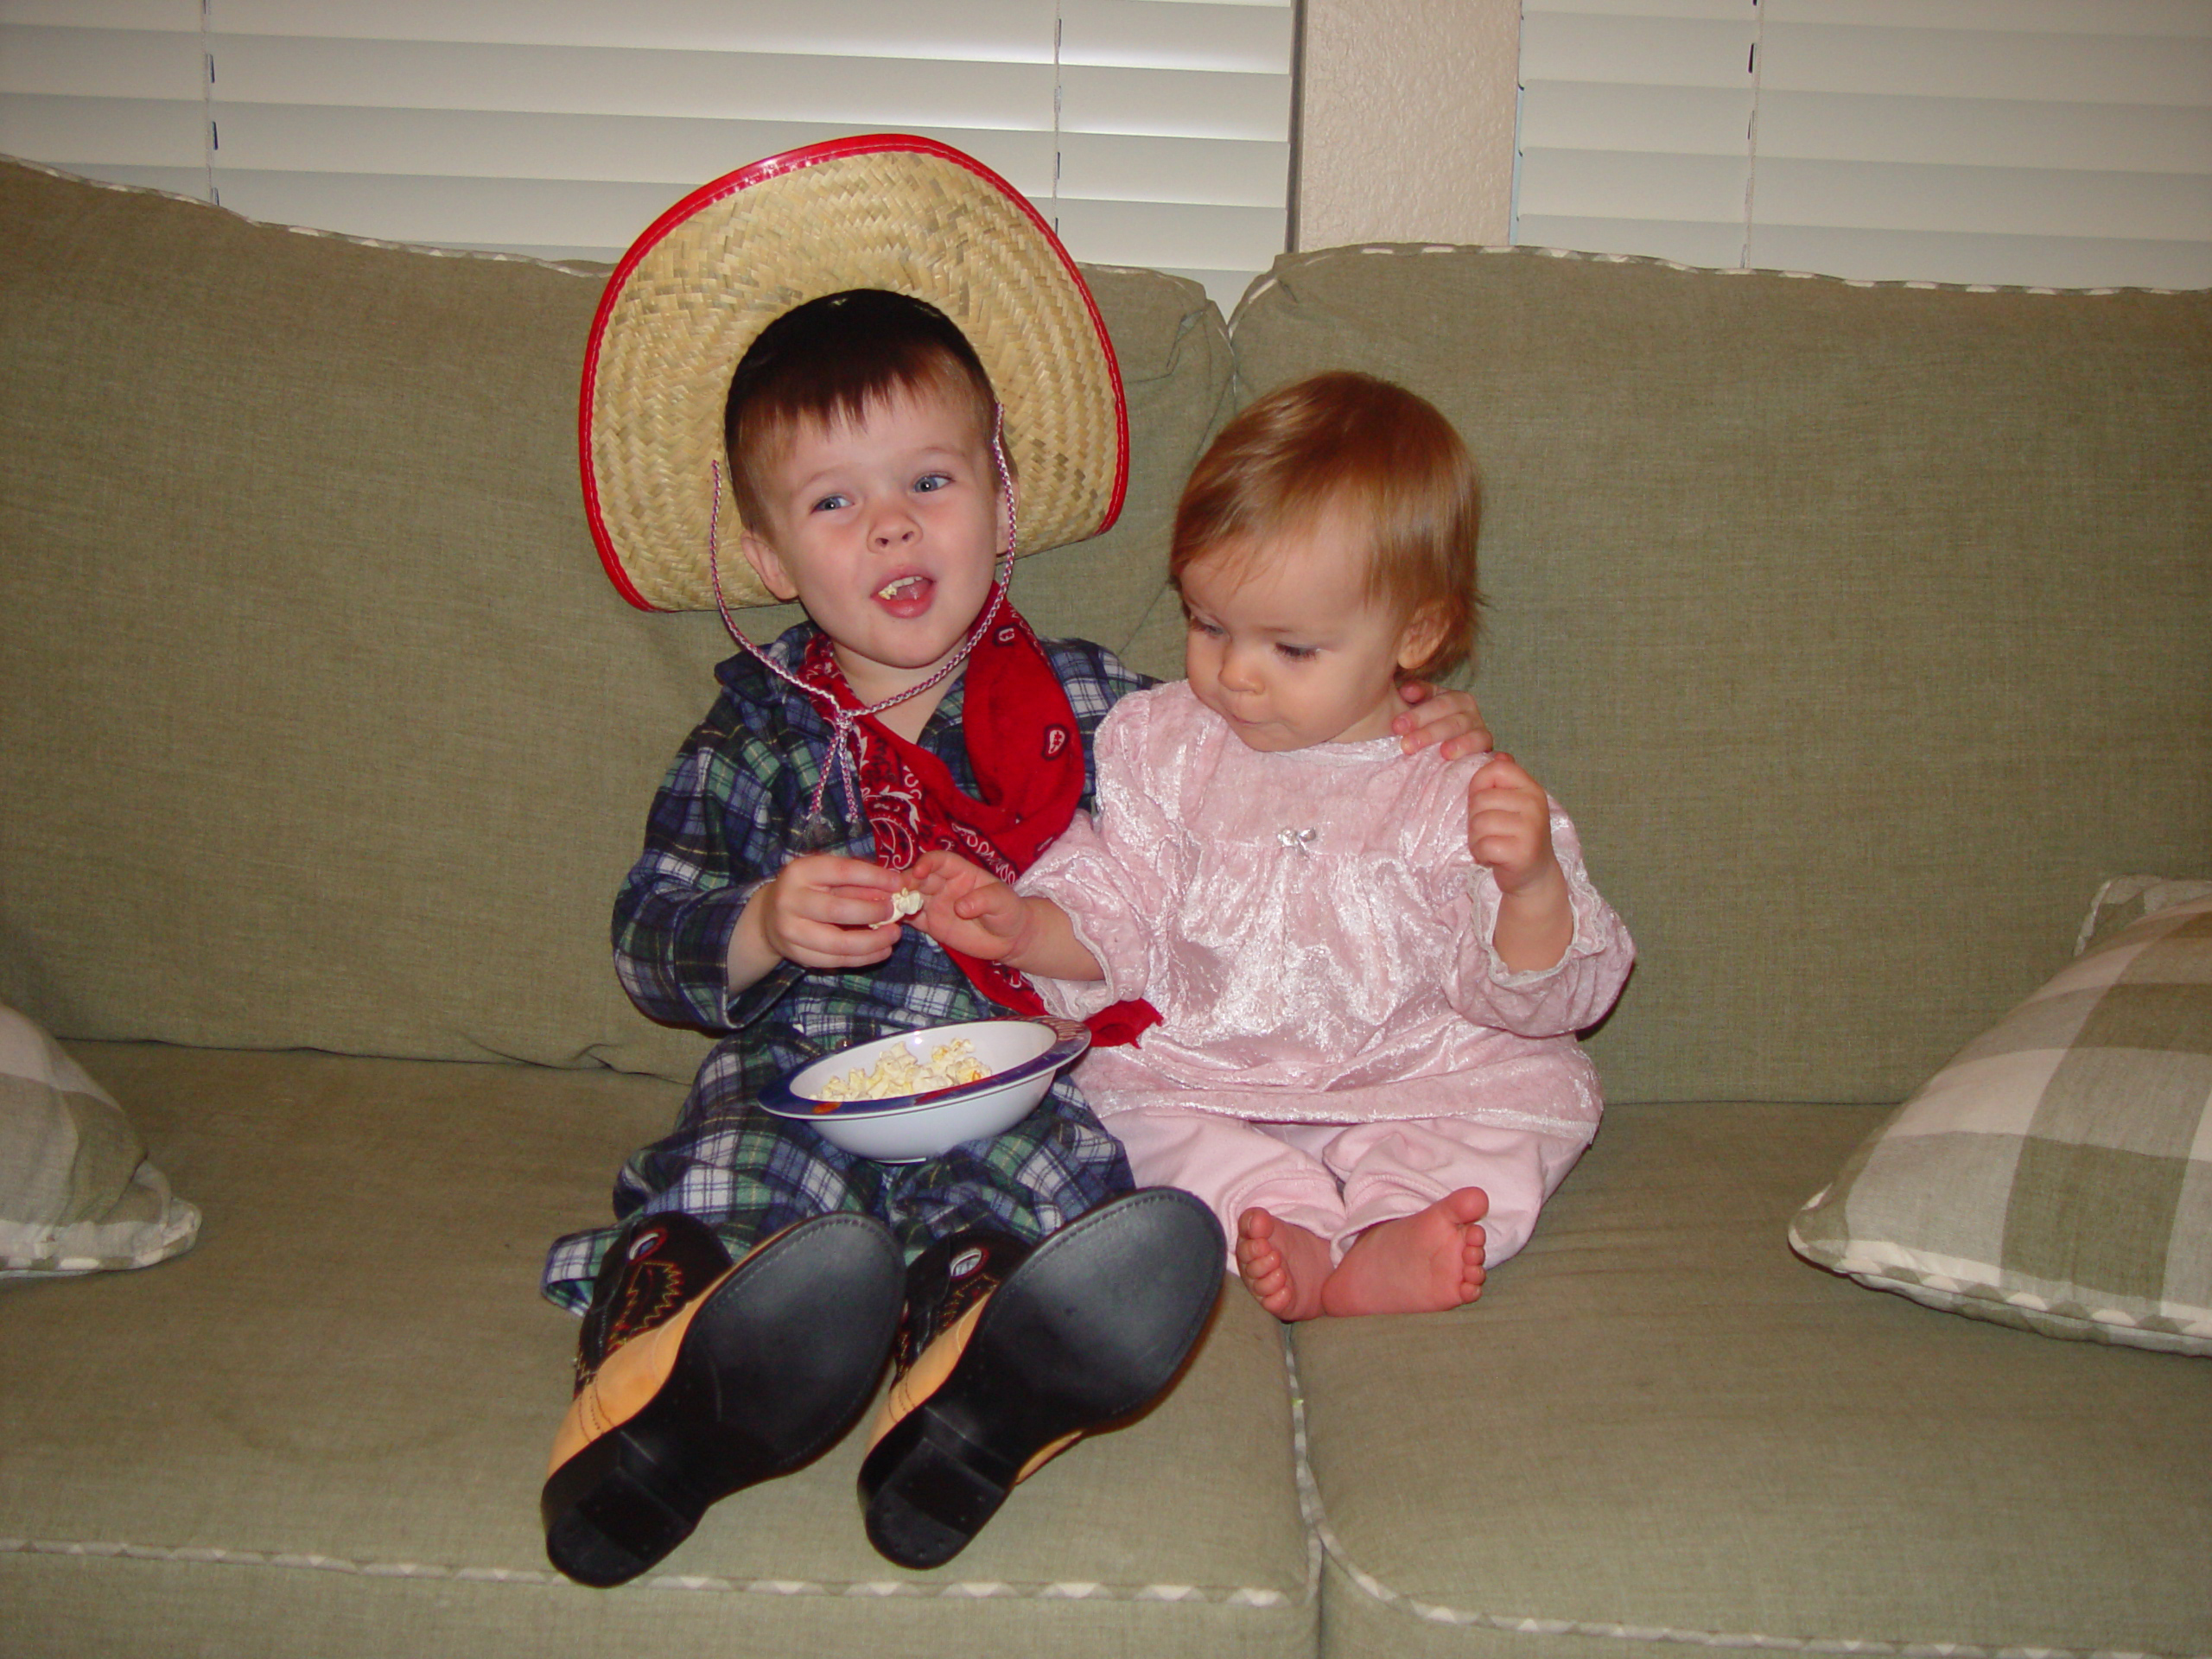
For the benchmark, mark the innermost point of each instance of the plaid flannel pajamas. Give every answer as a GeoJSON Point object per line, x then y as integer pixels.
{"type": "Point", "coordinates": [728, 816]}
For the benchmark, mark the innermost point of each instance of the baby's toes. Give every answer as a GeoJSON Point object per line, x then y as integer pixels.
{"type": "Point", "coordinates": [1271, 1289]}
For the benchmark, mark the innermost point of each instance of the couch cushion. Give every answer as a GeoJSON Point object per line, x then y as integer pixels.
{"type": "Point", "coordinates": [324, 727]}
{"type": "Point", "coordinates": [1658, 1431]}
{"type": "Point", "coordinates": [1861, 628]}
{"type": "Point", "coordinates": [323, 1432]}
{"type": "Point", "coordinates": [2056, 1175]}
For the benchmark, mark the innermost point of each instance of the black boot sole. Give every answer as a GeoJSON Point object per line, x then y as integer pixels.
{"type": "Point", "coordinates": [1092, 1326]}
{"type": "Point", "coordinates": [779, 1360]}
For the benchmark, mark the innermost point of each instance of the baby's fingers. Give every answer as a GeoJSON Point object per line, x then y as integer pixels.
{"type": "Point", "coordinates": [1500, 772]}
{"type": "Point", "coordinates": [933, 869]}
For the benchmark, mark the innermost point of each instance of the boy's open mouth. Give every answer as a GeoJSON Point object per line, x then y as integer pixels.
{"type": "Point", "coordinates": [905, 594]}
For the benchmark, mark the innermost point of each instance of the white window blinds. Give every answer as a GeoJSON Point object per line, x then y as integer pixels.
{"type": "Point", "coordinates": [2062, 143]}
{"type": "Point", "coordinates": [1152, 132]}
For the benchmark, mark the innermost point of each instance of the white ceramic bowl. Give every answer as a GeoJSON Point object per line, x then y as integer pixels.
{"type": "Point", "coordinates": [1021, 1055]}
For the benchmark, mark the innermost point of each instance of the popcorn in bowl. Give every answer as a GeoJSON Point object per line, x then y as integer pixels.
{"type": "Point", "coordinates": [949, 1065]}
{"type": "Point", "coordinates": [916, 1094]}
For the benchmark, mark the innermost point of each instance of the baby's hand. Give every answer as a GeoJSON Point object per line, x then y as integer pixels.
{"type": "Point", "coordinates": [1510, 826]}
{"type": "Point", "coordinates": [1452, 718]}
{"type": "Point", "coordinates": [820, 911]}
{"type": "Point", "coordinates": [967, 909]}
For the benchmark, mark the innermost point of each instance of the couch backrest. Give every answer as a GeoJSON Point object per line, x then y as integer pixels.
{"type": "Point", "coordinates": [1863, 629]}
{"type": "Point", "coordinates": [321, 726]}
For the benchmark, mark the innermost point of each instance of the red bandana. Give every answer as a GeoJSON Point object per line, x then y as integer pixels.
{"type": "Point", "coordinates": [1027, 757]}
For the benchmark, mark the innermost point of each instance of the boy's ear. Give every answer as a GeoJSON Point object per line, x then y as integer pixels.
{"type": "Point", "coordinates": [1418, 638]}
{"type": "Point", "coordinates": [767, 565]}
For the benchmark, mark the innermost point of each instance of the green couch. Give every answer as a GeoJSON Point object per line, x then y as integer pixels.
{"type": "Point", "coordinates": [1863, 628]}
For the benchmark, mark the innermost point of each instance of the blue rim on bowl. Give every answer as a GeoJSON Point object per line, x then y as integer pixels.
{"type": "Point", "coordinates": [1070, 1039]}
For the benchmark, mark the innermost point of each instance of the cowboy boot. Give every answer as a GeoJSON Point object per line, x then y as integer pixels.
{"type": "Point", "coordinates": [1008, 1353]}
{"type": "Point", "coordinates": [696, 1377]}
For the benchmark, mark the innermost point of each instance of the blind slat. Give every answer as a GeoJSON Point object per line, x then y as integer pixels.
{"type": "Point", "coordinates": [1628, 184]}
{"type": "Point", "coordinates": [179, 16]}
{"type": "Point", "coordinates": [670, 154]}
{"type": "Point", "coordinates": [1986, 133]}
{"type": "Point", "coordinates": [1685, 120]}
{"type": "Point", "coordinates": [1965, 63]}
{"type": "Point", "coordinates": [1637, 51]}
{"type": "Point", "coordinates": [1169, 234]}
{"type": "Point", "coordinates": [874, 94]}
{"type": "Point", "coordinates": [1111, 167]}
{"type": "Point", "coordinates": [1014, 31]}
{"type": "Point", "coordinates": [2007, 201]}
{"type": "Point", "coordinates": [1690, 8]}
{"type": "Point", "coordinates": [1149, 35]}
{"type": "Point", "coordinates": [100, 62]}
{"type": "Point", "coordinates": [2010, 16]}
{"type": "Point", "coordinates": [82, 131]}
{"type": "Point", "coordinates": [1164, 104]}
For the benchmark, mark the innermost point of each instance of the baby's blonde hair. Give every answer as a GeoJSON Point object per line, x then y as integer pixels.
{"type": "Point", "coordinates": [1386, 458]}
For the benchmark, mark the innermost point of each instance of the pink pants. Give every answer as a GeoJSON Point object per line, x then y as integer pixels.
{"type": "Point", "coordinates": [1335, 1179]}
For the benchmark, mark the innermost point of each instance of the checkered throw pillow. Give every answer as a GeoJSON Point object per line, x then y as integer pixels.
{"type": "Point", "coordinates": [77, 1194]}
{"type": "Point", "coordinates": [2057, 1175]}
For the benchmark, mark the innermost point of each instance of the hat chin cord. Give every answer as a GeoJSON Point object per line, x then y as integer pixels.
{"type": "Point", "coordinates": [844, 741]}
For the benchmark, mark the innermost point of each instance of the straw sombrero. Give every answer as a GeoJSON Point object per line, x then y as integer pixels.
{"type": "Point", "coordinates": [889, 211]}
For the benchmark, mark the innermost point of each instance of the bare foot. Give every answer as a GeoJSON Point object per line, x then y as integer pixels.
{"type": "Point", "coordinates": [1281, 1263]}
{"type": "Point", "coordinates": [1419, 1263]}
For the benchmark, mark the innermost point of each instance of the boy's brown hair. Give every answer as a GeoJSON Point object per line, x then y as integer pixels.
{"type": "Point", "coordinates": [1378, 453]}
{"type": "Point", "coordinates": [826, 362]}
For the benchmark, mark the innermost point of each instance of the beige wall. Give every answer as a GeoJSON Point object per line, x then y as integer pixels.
{"type": "Point", "coordinates": [1406, 121]}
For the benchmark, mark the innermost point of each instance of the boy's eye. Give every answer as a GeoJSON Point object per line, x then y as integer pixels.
{"type": "Point", "coordinates": [831, 503]}
{"type": "Point", "coordinates": [931, 481]}
{"type": "Point", "coordinates": [1198, 625]}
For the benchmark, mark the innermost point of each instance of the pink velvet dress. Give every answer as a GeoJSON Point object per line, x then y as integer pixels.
{"type": "Point", "coordinates": [1316, 936]}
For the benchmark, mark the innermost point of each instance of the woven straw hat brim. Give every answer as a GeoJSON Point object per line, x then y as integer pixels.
{"type": "Point", "coordinates": [891, 211]}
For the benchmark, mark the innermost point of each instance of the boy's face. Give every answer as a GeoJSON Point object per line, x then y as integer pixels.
{"type": "Point", "coordinates": [1285, 645]}
{"type": "Point", "coordinates": [886, 531]}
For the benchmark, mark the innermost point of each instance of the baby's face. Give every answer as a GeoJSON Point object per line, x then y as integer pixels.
{"type": "Point", "coordinates": [1285, 645]}
{"type": "Point", "coordinates": [886, 531]}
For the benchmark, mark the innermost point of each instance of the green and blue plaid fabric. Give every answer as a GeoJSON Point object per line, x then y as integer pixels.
{"type": "Point", "coordinates": [729, 814]}
{"type": "Point", "coordinates": [2057, 1175]}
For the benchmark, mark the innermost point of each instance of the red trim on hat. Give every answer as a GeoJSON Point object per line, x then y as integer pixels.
{"type": "Point", "coordinates": [774, 166]}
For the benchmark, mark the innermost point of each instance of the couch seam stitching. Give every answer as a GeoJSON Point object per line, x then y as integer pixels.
{"type": "Point", "coordinates": [1241, 1597]}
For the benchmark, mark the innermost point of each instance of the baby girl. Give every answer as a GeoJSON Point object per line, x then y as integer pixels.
{"type": "Point", "coordinates": [1369, 965]}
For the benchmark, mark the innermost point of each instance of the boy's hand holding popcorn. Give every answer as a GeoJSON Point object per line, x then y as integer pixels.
{"type": "Point", "coordinates": [1509, 832]}
{"type": "Point", "coordinates": [818, 911]}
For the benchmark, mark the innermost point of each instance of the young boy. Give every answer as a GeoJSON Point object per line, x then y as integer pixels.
{"type": "Point", "coordinates": [1033, 1294]}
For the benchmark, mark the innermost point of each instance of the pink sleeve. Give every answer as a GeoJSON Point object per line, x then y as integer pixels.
{"type": "Point", "coordinates": [1114, 874]}
{"type": "Point", "coordinates": [1570, 996]}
